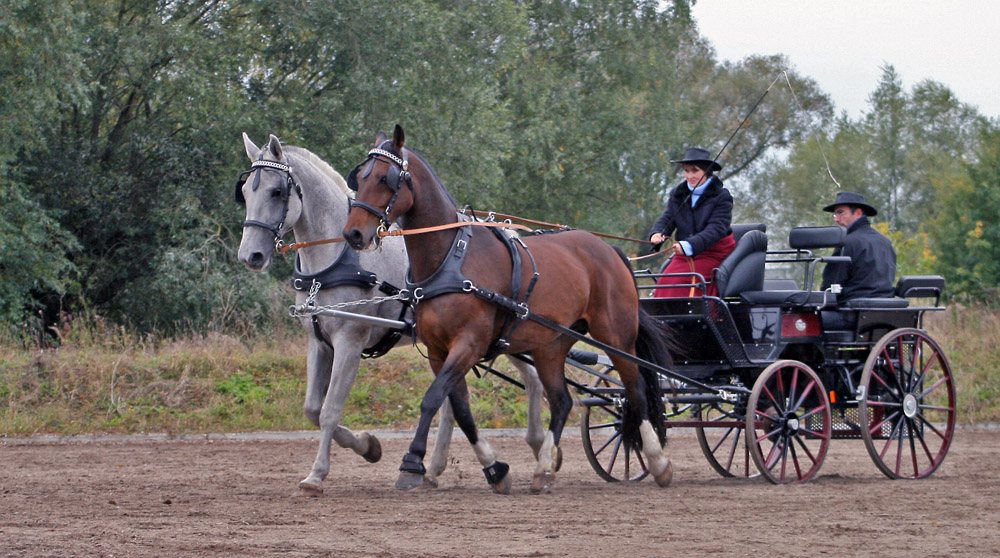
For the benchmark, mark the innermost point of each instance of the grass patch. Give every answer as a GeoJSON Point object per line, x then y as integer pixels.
{"type": "Point", "coordinates": [108, 381]}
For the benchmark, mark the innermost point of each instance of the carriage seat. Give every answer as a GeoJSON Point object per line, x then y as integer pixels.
{"type": "Point", "coordinates": [743, 269]}
{"type": "Point", "coordinates": [741, 229]}
{"type": "Point", "coordinates": [788, 298]}
{"type": "Point", "coordinates": [920, 286]}
{"type": "Point", "coordinates": [874, 303]}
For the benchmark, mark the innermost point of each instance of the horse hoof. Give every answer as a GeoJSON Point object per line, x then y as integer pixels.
{"type": "Point", "coordinates": [429, 482]}
{"type": "Point", "coordinates": [374, 452]}
{"type": "Point", "coordinates": [558, 458]}
{"type": "Point", "coordinates": [664, 478]}
{"type": "Point", "coordinates": [310, 489]}
{"type": "Point", "coordinates": [542, 481]}
{"type": "Point", "coordinates": [502, 487]}
{"type": "Point", "coordinates": [409, 481]}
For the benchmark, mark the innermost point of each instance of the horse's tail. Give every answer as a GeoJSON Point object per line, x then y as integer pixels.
{"type": "Point", "coordinates": [651, 345]}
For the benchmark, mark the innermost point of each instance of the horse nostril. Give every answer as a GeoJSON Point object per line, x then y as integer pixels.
{"type": "Point", "coordinates": [353, 237]}
{"type": "Point", "coordinates": [256, 258]}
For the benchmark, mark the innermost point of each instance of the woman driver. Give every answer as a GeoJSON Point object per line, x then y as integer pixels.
{"type": "Point", "coordinates": [700, 209]}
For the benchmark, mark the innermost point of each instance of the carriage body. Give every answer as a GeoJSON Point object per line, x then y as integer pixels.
{"type": "Point", "coordinates": [800, 378]}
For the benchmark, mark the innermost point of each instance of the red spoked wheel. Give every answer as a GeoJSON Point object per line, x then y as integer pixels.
{"type": "Point", "coordinates": [601, 433]}
{"type": "Point", "coordinates": [907, 400]}
{"type": "Point", "coordinates": [724, 443]}
{"type": "Point", "coordinates": [788, 422]}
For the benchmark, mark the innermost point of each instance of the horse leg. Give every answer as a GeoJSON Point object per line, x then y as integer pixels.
{"type": "Point", "coordinates": [533, 387]}
{"type": "Point", "coordinates": [439, 459]}
{"type": "Point", "coordinates": [345, 369]}
{"type": "Point", "coordinates": [447, 372]}
{"type": "Point", "coordinates": [549, 361]}
{"type": "Point", "coordinates": [319, 364]}
{"type": "Point", "coordinates": [496, 471]}
{"type": "Point", "coordinates": [639, 411]}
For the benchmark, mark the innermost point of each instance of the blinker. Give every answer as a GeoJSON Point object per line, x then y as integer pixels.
{"type": "Point", "coordinates": [352, 179]}
{"type": "Point", "coordinates": [238, 194]}
{"type": "Point", "coordinates": [392, 178]}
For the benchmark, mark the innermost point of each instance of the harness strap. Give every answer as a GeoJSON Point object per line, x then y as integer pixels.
{"type": "Point", "coordinates": [318, 332]}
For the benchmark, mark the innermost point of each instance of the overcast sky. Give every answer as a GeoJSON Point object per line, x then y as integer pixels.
{"type": "Point", "coordinates": [842, 44]}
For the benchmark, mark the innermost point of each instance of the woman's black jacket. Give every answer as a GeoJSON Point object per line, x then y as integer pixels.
{"type": "Point", "coordinates": [702, 226]}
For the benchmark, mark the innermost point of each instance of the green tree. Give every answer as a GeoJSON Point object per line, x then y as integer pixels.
{"type": "Point", "coordinates": [37, 58]}
{"type": "Point", "coordinates": [966, 231]}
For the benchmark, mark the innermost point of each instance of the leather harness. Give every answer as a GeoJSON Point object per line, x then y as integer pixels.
{"type": "Point", "coordinates": [347, 270]}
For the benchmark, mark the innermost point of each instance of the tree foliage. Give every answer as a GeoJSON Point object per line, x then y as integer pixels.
{"type": "Point", "coordinates": [122, 121]}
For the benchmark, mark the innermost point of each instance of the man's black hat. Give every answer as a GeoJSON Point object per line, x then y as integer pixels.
{"type": "Point", "coordinates": [850, 198]}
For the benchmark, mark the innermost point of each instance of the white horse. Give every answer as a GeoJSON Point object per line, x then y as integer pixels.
{"type": "Point", "coordinates": [290, 188]}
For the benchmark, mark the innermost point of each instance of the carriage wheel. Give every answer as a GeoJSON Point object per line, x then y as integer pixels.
{"type": "Point", "coordinates": [788, 422]}
{"type": "Point", "coordinates": [725, 446]}
{"type": "Point", "coordinates": [908, 404]}
{"type": "Point", "coordinates": [601, 433]}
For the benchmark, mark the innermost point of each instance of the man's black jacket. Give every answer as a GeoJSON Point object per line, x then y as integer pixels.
{"type": "Point", "coordinates": [872, 270]}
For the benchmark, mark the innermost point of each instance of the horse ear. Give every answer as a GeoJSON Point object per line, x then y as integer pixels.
{"type": "Point", "coordinates": [398, 138]}
{"type": "Point", "coordinates": [380, 138]}
{"type": "Point", "coordinates": [274, 147]}
{"type": "Point", "coordinates": [252, 150]}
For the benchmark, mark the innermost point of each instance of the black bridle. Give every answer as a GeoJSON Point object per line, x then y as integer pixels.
{"type": "Point", "coordinates": [398, 173]}
{"type": "Point", "coordinates": [256, 169]}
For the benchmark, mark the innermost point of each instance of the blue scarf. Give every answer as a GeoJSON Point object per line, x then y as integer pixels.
{"type": "Point", "coordinates": [697, 192]}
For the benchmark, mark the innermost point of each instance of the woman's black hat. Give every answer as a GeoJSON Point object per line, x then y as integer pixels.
{"type": "Point", "coordinates": [699, 155]}
{"type": "Point", "coordinates": [850, 198]}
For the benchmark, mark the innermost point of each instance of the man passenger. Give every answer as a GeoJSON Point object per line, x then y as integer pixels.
{"type": "Point", "coordinates": [872, 270]}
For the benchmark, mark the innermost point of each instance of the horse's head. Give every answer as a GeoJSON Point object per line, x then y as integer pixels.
{"type": "Point", "coordinates": [273, 200]}
{"type": "Point", "coordinates": [384, 190]}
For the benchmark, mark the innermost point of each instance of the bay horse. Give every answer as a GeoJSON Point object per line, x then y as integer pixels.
{"type": "Point", "coordinates": [291, 189]}
{"type": "Point", "coordinates": [472, 308]}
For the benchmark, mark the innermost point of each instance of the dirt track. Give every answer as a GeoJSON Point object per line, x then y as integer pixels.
{"type": "Point", "coordinates": [237, 498]}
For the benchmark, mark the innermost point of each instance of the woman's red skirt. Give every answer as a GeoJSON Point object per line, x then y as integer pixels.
{"type": "Point", "coordinates": [704, 263]}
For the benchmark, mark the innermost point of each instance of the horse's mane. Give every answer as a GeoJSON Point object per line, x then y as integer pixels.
{"type": "Point", "coordinates": [320, 164]}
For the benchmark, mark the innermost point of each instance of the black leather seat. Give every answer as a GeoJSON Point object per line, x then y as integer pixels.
{"type": "Point", "coordinates": [870, 303]}
{"type": "Point", "coordinates": [743, 269]}
{"type": "Point", "coordinates": [920, 286]}
{"type": "Point", "coordinates": [788, 298]}
{"type": "Point", "coordinates": [743, 228]}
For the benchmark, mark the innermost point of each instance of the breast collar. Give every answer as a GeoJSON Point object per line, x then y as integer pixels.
{"type": "Point", "coordinates": [448, 278]}
{"type": "Point", "coordinates": [346, 270]}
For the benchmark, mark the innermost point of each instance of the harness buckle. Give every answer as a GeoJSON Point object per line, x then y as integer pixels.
{"type": "Point", "coordinates": [379, 232]}
{"type": "Point", "coordinates": [522, 311]}
{"type": "Point", "coordinates": [468, 286]}
{"type": "Point", "coordinates": [418, 293]}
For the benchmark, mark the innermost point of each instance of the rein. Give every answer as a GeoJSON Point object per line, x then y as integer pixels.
{"type": "Point", "coordinates": [408, 232]}
{"type": "Point", "coordinates": [561, 226]}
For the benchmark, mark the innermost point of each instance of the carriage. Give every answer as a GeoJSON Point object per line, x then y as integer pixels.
{"type": "Point", "coordinates": [770, 371]}
{"type": "Point", "coordinates": [762, 376]}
